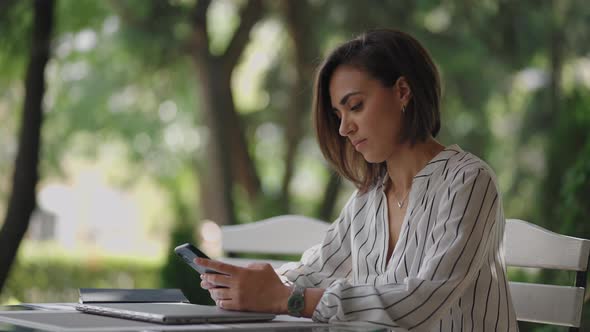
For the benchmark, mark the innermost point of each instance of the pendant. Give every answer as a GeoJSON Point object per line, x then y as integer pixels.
{"type": "Point", "coordinates": [399, 204]}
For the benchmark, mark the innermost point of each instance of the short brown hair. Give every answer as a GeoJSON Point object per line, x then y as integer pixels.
{"type": "Point", "coordinates": [386, 55]}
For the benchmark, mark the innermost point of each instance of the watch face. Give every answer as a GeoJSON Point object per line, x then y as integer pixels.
{"type": "Point", "coordinates": [295, 303]}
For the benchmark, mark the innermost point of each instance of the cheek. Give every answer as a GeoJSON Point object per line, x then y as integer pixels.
{"type": "Point", "coordinates": [387, 127]}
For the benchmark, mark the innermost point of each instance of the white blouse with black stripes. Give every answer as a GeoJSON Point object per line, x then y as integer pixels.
{"type": "Point", "coordinates": [446, 272]}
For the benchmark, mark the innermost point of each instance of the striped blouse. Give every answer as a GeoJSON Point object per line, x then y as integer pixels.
{"type": "Point", "coordinates": [446, 272]}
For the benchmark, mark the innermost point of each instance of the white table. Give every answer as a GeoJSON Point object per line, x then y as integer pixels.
{"type": "Point", "coordinates": [64, 317]}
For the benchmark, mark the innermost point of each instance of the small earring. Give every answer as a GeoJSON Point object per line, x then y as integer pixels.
{"type": "Point", "coordinates": [404, 109]}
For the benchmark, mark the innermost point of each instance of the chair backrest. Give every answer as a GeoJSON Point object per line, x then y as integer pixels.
{"type": "Point", "coordinates": [528, 245]}
{"type": "Point", "coordinates": [525, 245]}
{"type": "Point", "coordinates": [285, 234]}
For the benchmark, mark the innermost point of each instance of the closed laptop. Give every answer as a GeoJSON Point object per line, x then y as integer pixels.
{"type": "Point", "coordinates": [172, 313]}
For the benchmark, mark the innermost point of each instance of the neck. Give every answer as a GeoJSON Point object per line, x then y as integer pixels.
{"type": "Point", "coordinates": [406, 161]}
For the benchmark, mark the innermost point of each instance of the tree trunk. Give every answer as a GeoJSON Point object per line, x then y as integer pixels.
{"type": "Point", "coordinates": [228, 157]}
{"type": "Point", "coordinates": [243, 167]}
{"type": "Point", "coordinates": [22, 200]}
{"type": "Point", "coordinates": [305, 50]}
{"type": "Point", "coordinates": [216, 183]}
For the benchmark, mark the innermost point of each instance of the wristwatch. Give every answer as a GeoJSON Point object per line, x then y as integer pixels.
{"type": "Point", "coordinates": [296, 302]}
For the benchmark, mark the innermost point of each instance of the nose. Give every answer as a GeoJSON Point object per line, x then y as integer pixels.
{"type": "Point", "coordinates": [346, 126]}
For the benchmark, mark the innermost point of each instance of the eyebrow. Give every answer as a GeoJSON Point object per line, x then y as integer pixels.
{"type": "Point", "coordinates": [346, 96]}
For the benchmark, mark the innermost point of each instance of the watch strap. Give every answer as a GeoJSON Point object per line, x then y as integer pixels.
{"type": "Point", "coordinates": [296, 301]}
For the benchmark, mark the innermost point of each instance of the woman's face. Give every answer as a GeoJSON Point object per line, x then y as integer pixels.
{"type": "Point", "coordinates": [370, 113]}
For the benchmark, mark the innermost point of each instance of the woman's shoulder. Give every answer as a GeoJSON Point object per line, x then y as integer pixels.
{"type": "Point", "coordinates": [465, 163]}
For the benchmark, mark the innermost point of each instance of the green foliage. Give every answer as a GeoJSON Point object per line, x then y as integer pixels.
{"type": "Point", "coordinates": [15, 23]}
{"type": "Point", "coordinates": [74, 16]}
{"type": "Point", "coordinates": [575, 189]}
{"type": "Point", "coordinates": [54, 280]}
{"type": "Point", "coordinates": [566, 182]}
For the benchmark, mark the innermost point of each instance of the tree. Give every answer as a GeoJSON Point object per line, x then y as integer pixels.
{"type": "Point", "coordinates": [306, 51]}
{"type": "Point", "coordinates": [228, 150]}
{"type": "Point", "coordinates": [23, 198]}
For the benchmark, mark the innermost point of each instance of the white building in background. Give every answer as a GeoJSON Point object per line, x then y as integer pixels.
{"type": "Point", "coordinates": [89, 215]}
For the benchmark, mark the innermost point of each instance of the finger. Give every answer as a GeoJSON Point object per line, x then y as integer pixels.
{"type": "Point", "coordinates": [207, 285]}
{"type": "Point", "coordinates": [217, 279]}
{"type": "Point", "coordinates": [227, 304]}
{"type": "Point", "coordinates": [218, 266]}
{"type": "Point", "coordinates": [220, 293]}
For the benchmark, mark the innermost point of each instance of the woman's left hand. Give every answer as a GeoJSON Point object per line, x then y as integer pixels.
{"type": "Point", "coordinates": [253, 288]}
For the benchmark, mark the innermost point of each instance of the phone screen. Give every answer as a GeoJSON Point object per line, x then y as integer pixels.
{"type": "Point", "coordinates": [188, 253]}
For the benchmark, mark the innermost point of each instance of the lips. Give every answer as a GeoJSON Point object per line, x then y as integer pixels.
{"type": "Point", "coordinates": [357, 143]}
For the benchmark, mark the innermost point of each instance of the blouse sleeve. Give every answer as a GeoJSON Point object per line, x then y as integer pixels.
{"type": "Point", "coordinates": [326, 262]}
{"type": "Point", "coordinates": [464, 232]}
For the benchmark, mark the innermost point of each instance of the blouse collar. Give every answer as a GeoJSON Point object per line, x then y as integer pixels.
{"type": "Point", "coordinates": [432, 165]}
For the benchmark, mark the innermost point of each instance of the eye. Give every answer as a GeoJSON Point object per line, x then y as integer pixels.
{"type": "Point", "coordinates": [357, 106]}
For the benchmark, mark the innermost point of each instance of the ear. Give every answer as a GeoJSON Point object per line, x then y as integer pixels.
{"type": "Point", "coordinates": [403, 89]}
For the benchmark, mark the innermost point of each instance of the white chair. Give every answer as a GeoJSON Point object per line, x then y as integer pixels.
{"type": "Point", "coordinates": [528, 245]}
{"type": "Point", "coordinates": [285, 234]}
{"type": "Point", "coordinates": [525, 245]}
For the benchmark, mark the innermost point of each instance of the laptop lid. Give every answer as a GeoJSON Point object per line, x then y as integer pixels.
{"type": "Point", "coordinates": [118, 295]}
{"type": "Point", "coordinates": [172, 313]}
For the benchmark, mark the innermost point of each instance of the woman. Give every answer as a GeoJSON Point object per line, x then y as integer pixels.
{"type": "Point", "coordinates": [418, 245]}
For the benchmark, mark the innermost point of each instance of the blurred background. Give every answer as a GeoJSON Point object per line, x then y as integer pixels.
{"type": "Point", "coordinates": [130, 126]}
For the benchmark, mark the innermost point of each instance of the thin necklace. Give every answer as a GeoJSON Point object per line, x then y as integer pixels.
{"type": "Point", "coordinates": [400, 203]}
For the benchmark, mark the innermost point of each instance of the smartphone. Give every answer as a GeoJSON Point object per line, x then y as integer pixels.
{"type": "Point", "coordinates": [188, 253]}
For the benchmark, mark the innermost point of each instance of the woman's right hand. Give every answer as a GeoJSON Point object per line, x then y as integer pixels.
{"type": "Point", "coordinates": [207, 285]}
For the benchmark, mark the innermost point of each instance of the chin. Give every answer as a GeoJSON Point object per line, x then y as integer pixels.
{"type": "Point", "coordinates": [371, 159]}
